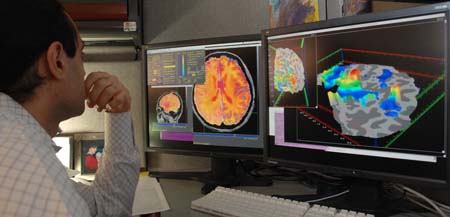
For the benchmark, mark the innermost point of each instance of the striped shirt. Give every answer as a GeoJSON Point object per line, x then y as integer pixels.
{"type": "Point", "coordinates": [33, 182]}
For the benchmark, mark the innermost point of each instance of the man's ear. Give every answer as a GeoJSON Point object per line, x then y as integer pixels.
{"type": "Point", "coordinates": [55, 61]}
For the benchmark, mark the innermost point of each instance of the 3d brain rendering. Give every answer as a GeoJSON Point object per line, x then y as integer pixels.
{"type": "Point", "coordinates": [289, 72]}
{"type": "Point", "coordinates": [370, 100]}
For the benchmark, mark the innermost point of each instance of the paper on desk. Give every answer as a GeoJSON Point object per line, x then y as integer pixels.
{"type": "Point", "coordinates": [149, 197]}
{"type": "Point", "coordinates": [72, 173]}
{"type": "Point", "coordinates": [87, 177]}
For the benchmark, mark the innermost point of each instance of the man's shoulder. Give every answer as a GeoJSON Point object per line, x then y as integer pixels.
{"type": "Point", "coordinates": [13, 131]}
{"type": "Point", "coordinates": [27, 171]}
{"type": "Point", "coordinates": [21, 142]}
{"type": "Point", "coordinates": [15, 140]}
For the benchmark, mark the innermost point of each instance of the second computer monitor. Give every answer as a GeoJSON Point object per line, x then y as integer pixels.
{"type": "Point", "coordinates": [363, 96]}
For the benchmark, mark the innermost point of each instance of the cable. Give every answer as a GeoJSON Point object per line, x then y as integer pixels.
{"type": "Point", "coordinates": [447, 208]}
{"type": "Point", "coordinates": [412, 197]}
{"type": "Point", "coordinates": [421, 196]}
{"type": "Point", "coordinates": [422, 205]}
{"type": "Point", "coordinates": [399, 202]}
{"type": "Point", "coordinates": [328, 197]}
{"type": "Point", "coordinates": [325, 176]}
{"type": "Point", "coordinates": [317, 178]}
{"type": "Point", "coordinates": [442, 206]}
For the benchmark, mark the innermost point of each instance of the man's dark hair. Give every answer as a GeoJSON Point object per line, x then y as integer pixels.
{"type": "Point", "coordinates": [28, 29]}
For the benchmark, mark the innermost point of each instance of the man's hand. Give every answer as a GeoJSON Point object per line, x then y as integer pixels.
{"type": "Point", "coordinates": [106, 92]}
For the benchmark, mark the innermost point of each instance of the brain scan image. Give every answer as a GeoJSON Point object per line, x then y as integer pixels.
{"type": "Point", "coordinates": [289, 73]}
{"type": "Point", "coordinates": [226, 100]}
{"type": "Point", "coordinates": [169, 107]}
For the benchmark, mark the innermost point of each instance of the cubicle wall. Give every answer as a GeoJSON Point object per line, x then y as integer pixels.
{"type": "Point", "coordinates": [178, 20]}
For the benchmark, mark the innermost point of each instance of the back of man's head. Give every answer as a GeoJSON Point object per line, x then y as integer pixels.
{"type": "Point", "coordinates": [28, 28]}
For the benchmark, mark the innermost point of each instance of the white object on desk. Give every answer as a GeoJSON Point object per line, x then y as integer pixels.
{"type": "Point", "coordinates": [86, 177]}
{"type": "Point", "coordinates": [72, 173]}
{"type": "Point", "coordinates": [236, 203]}
{"type": "Point", "coordinates": [149, 197]}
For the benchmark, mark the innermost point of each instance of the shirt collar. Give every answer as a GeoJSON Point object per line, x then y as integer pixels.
{"type": "Point", "coordinates": [14, 111]}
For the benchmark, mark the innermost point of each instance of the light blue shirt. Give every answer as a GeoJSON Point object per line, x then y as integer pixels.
{"type": "Point", "coordinates": [33, 182]}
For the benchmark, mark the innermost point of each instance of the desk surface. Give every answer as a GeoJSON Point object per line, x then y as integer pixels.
{"type": "Point", "coordinates": [180, 193]}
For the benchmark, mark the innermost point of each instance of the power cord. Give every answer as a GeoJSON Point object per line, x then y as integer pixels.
{"type": "Point", "coordinates": [415, 197]}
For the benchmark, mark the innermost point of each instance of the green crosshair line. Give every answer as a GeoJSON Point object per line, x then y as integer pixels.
{"type": "Point", "coordinates": [329, 55]}
{"type": "Point", "coordinates": [306, 97]}
{"type": "Point", "coordinates": [427, 89]}
{"type": "Point", "coordinates": [415, 120]}
{"type": "Point", "coordinates": [272, 47]}
{"type": "Point", "coordinates": [278, 99]}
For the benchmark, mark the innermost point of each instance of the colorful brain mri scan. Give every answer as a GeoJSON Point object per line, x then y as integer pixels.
{"type": "Point", "coordinates": [289, 73]}
{"type": "Point", "coordinates": [226, 99]}
{"type": "Point", "coordinates": [169, 107]}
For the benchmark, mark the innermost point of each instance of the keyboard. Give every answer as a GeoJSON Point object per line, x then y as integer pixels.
{"type": "Point", "coordinates": [237, 203]}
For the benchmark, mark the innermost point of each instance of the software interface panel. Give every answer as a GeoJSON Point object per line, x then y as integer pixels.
{"type": "Point", "coordinates": [176, 67]}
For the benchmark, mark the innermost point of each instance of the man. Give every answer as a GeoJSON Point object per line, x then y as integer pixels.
{"type": "Point", "coordinates": [42, 83]}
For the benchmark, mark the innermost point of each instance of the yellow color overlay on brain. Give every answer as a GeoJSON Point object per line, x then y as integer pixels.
{"type": "Point", "coordinates": [225, 96]}
{"type": "Point", "coordinates": [170, 102]}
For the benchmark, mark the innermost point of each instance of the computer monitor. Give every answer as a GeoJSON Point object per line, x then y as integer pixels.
{"type": "Point", "coordinates": [65, 152]}
{"type": "Point", "coordinates": [204, 98]}
{"type": "Point", "coordinates": [362, 96]}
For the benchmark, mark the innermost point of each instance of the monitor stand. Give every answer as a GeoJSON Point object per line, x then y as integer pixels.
{"type": "Point", "coordinates": [230, 173]}
{"type": "Point", "coordinates": [224, 172]}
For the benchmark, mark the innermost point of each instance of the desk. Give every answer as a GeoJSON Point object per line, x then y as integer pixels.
{"type": "Point", "coordinates": [180, 193]}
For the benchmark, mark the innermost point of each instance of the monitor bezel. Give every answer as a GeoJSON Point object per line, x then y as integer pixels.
{"type": "Point", "coordinates": [365, 18]}
{"type": "Point", "coordinates": [207, 150]}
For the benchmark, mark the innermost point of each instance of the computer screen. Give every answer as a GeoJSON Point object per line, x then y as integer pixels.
{"type": "Point", "coordinates": [363, 96]}
{"type": "Point", "coordinates": [203, 96]}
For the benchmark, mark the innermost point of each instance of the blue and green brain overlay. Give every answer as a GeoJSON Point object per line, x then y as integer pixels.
{"type": "Point", "coordinates": [289, 73]}
{"type": "Point", "coordinates": [370, 100]}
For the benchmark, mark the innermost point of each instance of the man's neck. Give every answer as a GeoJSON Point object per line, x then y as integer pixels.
{"type": "Point", "coordinates": [40, 108]}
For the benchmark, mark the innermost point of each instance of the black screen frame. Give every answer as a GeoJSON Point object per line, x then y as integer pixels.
{"type": "Point", "coordinates": [208, 150]}
{"type": "Point", "coordinates": [347, 170]}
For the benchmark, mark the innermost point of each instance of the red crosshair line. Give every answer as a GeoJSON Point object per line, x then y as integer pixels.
{"type": "Point", "coordinates": [324, 108]}
{"type": "Point", "coordinates": [330, 127]}
{"type": "Point", "coordinates": [401, 70]}
{"type": "Point", "coordinates": [394, 54]}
